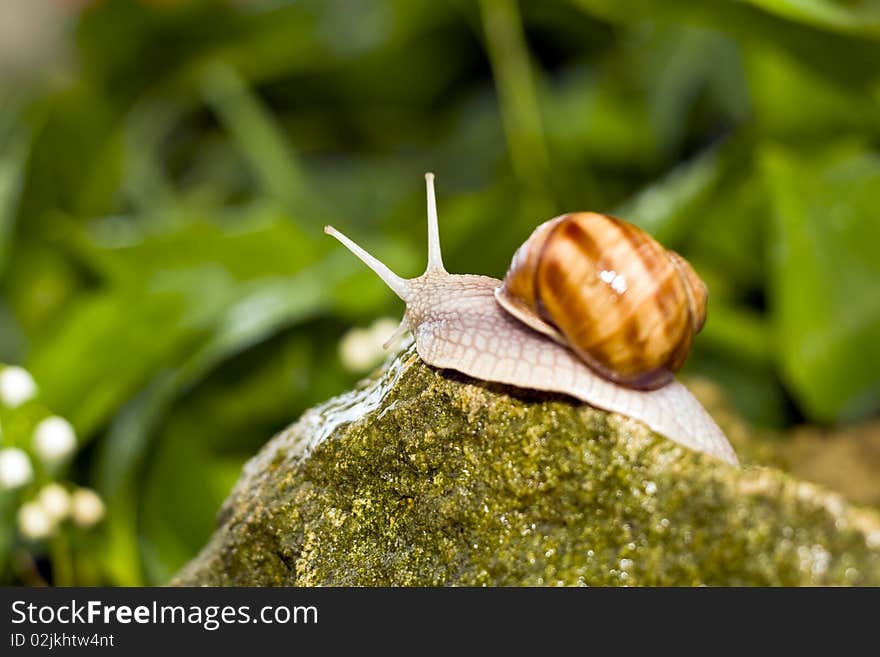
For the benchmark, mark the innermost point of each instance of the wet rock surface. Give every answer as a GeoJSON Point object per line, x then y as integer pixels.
{"type": "Point", "coordinates": [425, 477]}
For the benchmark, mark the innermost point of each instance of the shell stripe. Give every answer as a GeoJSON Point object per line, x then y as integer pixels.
{"type": "Point", "coordinates": [630, 335]}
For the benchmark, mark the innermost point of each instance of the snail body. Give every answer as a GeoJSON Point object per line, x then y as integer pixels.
{"type": "Point", "coordinates": [464, 322]}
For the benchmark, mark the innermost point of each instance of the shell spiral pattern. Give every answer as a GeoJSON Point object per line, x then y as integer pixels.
{"type": "Point", "coordinates": [603, 287]}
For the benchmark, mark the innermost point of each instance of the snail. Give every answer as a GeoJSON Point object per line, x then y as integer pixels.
{"type": "Point", "coordinates": [592, 307]}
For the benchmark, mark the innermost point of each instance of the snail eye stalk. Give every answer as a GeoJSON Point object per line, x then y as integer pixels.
{"type": "Point", "coordinates": [435, 259]}
{"type": "Point", "coordinates": [400, 286]}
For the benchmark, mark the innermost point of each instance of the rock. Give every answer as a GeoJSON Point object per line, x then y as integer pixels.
{"type": "Point", "coordinates": [847, 459]}
{"type": "Point", "coordinates": [424, 477]}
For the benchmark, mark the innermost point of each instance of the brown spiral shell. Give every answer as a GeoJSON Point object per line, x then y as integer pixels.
{"type": "Point", "coordinates": [623, 303]}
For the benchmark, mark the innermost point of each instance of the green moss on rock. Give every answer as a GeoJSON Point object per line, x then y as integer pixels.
{"type": "Point", "coordinates": [422, 477]}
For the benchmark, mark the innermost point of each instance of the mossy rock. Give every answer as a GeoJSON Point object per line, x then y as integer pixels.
{"type": "Point", "coordinates": [424, 477]}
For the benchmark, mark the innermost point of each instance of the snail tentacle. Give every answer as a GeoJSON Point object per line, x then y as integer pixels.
{"type": "Point", "coordinates": [435, 259]}
{"type": "Point", "coordinates": [400, 286]}
{"type": "Point", "coordinates": [402, 328]}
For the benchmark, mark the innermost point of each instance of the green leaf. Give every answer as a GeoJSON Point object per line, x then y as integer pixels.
{"type": "Point", "coordinates": [12, 164]}
{"type": "Point", "coordinates": [165, 296]}
{"type": "Point", "coordinates": [726, 241]}
{"type": "Point", "coordinates": [599, 119]}
{"type": "Point", "coordinates": [663, 208]}
{"type": "Point", "coordinates": [260, 139]}
{"type": "Point", "coordinates": [856, 17]}
{"type": "Point", "coordinates": [107, 346]}
{"type": "Point", "coordinates": [512, 70]}
{"type": "Point", "coordinates": [850, 58]}
{"type": "Point", "coordinates": [863, 19]}
{"type": "Point", "coordinates": [75, 163]}
{"type": "Point", "coordinates": [694, 80]}
{"type": "Point", "coordinates": [825, 277]}
{"type": "Point", "coordinates": [781, 81]}
{"type": "Point", "coordinates": [738, 333]}
{"type": "Point", "coordinates": [40, 282]}
{"type": "Point", "coordinates": [143, 251]}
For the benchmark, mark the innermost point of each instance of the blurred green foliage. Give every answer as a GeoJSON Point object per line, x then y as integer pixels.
{"type": "Point", "coordinates": [163, 188]}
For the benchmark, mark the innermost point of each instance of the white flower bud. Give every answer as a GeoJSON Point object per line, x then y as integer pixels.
{"type": "Point", "coordinates": [54, 439]}
{"type": "Point", "coordinates": [361, 348]}
{"type": "Point", "coordinates": [87, 507]}
{"type": "Point", "coordinates": [356, 350]}
{"type": "Point", "coordinates": [55, 501]}
{"type": "Point", "coordinates": [382, 329]}
{"type": "Point", "coordinates": [33, 521]}
{"type": "Point", "coordinates": [15, 468]}
{"type": "Point", "coordinates": [16, 386]}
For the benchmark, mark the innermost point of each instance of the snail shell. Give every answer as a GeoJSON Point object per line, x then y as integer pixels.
{"type": "Point", "coordinates": [458, 324]}
{"type": "Point", "coordinates": [605, 288]}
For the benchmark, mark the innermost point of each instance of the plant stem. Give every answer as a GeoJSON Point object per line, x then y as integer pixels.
{"type": "Point", "coordinates": [259, 137]}
{"type": "Point", "coordinates": [509, 57]}
{"type": "Point", "coordinates": [62, 563]}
